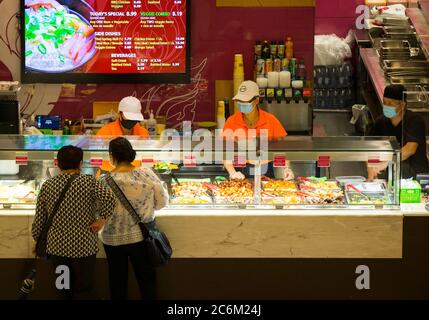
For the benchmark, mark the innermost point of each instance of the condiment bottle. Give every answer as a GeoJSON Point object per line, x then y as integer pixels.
{"type": "Point", "coordinates": [289, 48]}
{"type": "Point", "coordinates": [151, 125]}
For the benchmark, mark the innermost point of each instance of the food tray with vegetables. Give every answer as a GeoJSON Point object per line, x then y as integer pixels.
{"type": "Point", "coordinates": [366, 198]}
{"type": "Point", "coordinates": [58, 35]}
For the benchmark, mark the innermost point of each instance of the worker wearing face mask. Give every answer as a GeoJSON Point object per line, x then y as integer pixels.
{"type": "Point", "coordinates": [251, 116]}
{"type": "Point", "coordinates": [408, 128]}
{"type": "Point", "coordinates": [128, 123]}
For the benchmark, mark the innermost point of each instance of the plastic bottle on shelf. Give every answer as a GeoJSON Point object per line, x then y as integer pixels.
{"type": "Point", "coordinates": [266, 50]}
{"type": "Point", "coordinates": [289, 48]}
{"type": "Point", "coordinates": [302, 71]}
{"type": "Point", "coordinates": [220, 117]}
{"type": "Point", "coordinates": [66, 127]}
{"type": "Point", "coordinates": [151, 125]}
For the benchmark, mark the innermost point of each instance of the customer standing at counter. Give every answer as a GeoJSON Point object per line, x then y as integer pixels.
{"type": "Point", "coordinates": [251, 116]}
{"type": "Point", "coordinates": [122, 236]}
{"type": "Point", "coordinates": [72, 237]}
{"type": "Point", "coordinates": [408, 128]}
{"type": "Point", "coordinates": [128, 123]}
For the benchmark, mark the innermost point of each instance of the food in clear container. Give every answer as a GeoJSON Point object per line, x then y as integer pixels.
{"type": "Point", "coordinates": [17, 191]}
{"type": "Point", "coordinates": [323, 197]}
{"type": "Point", "coordinates": [319, 185]}
{"type": "Point", "coordinates": [279, 187]}
{"type": "Point", "coordinates": [287, 198]}
{"type": "Point", "coordinates": [234, 192]}
{"type": "Point", "coordinates": [190, 193]}
{"type": "Point", "coordinates": [366, 198]}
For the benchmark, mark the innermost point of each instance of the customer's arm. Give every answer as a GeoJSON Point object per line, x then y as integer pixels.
{"type": "Point", "coordinates": [160, 194]}
{"type": "Point", "coordinates": [41, 215]}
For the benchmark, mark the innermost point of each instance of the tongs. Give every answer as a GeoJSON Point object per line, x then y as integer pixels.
{"type": "Point", "coordinates": [350, 186]}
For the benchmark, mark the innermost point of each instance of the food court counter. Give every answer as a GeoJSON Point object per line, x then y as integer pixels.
{"type": "Point", "coordinates": [224, 233]}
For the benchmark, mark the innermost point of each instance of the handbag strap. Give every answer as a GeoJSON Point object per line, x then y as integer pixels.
{"type": "Point", "coordinates": [58, 202]}
{"type": "Point", "coordinates": [123, 199]}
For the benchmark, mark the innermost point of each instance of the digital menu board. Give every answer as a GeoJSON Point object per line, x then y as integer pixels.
{"type": "Point", "coordinates": [87, 41]}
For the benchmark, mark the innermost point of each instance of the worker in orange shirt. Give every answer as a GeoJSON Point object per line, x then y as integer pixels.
{"type": "Point", "coordinates": [126, 125]}
{"type": "Point", "coordinates": [251, 116]}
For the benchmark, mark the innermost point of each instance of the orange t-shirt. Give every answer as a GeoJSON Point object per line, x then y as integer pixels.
{"type": "Point", "coordinates": [266, 121]}
{"type": "Point", "coordinates": [114, 129]}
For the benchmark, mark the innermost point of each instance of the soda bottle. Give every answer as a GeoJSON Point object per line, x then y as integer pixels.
{"type": "Point", "coordinates": [266, 51]}
{"type": "Point", "coordinates": [289, 48]}
{"type": "Point", "coordinates": [302, 71]}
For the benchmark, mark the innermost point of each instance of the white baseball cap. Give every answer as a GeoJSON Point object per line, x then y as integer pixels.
{"type": "Point", "coordinates": [131, 107]}
{"type": "Point", "coordinates": [247, 91]}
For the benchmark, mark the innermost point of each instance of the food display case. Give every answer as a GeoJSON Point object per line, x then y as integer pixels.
{"type": "Point", "coordinates": [329, 172]}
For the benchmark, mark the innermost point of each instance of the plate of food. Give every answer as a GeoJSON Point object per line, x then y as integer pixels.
{"type": "Point", "coordinates": [58, 35]}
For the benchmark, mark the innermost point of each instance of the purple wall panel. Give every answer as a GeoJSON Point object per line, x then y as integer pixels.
{"type": "Point", "coordinates": [336, 16]}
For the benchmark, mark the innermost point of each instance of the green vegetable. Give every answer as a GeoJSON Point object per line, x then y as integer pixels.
{"type": "Point", "coordinates": [61, 57]}
{"type": "Point", "coordinates": [28, 52]}
{"type": "Point", "coordinates": [42, 49]}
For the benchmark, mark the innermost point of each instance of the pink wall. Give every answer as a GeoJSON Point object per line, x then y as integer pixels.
{"type": "Point", "coordinates": [336, 16]}
{"type": "Point", "coordinates": [217, 34]}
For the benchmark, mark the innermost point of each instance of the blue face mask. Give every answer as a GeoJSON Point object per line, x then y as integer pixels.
{"type": "Point", "coordinates": [389, 111]}
{"type": "Point", "coordinates": [245, 107]}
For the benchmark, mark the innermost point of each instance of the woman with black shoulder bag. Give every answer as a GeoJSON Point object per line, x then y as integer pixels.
{"type": "Point", "coordinates": [128, 231]}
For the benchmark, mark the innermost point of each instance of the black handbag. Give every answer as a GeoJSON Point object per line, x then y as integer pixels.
{"type": "Point", "coordinates": [42, 240]}
{"type": "Point", "coordinates": [156, 244]}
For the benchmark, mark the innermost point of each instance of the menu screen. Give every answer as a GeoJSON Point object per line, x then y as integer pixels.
{"type": "Point", "coordinates": [105, 40]}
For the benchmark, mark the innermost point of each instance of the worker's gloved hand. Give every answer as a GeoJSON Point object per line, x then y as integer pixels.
{"type": "Point", "coordinates": [237, 175]}
{"type": "Point", "coordinates": [288, 174]}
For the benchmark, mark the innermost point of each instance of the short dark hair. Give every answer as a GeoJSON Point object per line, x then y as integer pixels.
{"type": "Point", "coordinates": [69, 157]}
{"type": "Point", "coordinates": [395, 92]}
{"type": "Point", "coordinates": [122, 150]}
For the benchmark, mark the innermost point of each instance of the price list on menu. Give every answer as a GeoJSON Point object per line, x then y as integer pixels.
{"type": "Point", "coordinates": [139, 36]}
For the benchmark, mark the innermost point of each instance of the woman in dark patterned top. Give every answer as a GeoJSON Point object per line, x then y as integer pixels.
{"type": "Point", "coordinates": [72, 237]}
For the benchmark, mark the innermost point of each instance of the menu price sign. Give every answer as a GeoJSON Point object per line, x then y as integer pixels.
{"type": "Point", "coordinates": [147, 162]}
{"type": "Point", "coordinates": [279, 161]}
{"type": "Point", "coordinates": [21, 159]}
{"type": "Point", "coordinates": [374, 161]}
{"type": "Point", "coordinates": [96, 162]}
{"type": "Point", "coordinates": [190, 161]}
{"type": "Point", "coordinates": [324, 162]}
{"type": "Point", "coordinates": [239, 161]}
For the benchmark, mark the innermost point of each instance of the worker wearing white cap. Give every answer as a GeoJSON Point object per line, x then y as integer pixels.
{"type": "Point", "coordinates": [251, 116]}
{"type": "Point", "coordinates": [128, 123]}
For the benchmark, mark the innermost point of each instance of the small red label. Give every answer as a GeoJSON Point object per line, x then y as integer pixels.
{"type": "Point", "coordinates": [373, 161]}
{"type": "Point", "coordinates": [324, 162]}
{"type": "Point", "coordinates": [148, 162]}
{"type": "Point", "coordinates": [21, 160]}
{"type": "Point", "coordinates": [96, 162]}
{"type": "Point", "coordinates": [239, 161]}
{"type": "Point", "coordinates": [190, 161]}
{"type": "Point", "coordinates": [279, 161]}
